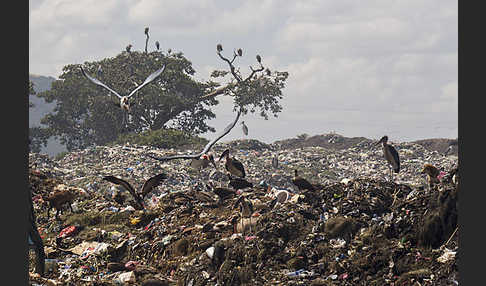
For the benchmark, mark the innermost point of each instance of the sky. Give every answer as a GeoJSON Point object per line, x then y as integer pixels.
{"type": "Point", "coordinates": [357, 68]}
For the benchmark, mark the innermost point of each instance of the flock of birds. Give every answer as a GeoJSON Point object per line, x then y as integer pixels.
{"type": "Point", "coordinates": [235, 169]}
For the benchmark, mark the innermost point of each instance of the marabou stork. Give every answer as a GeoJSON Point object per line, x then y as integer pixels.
{"type": "Point", "coordinates": [124, 100]}
{"type": "Point", "coordinates": [146, 188]}
{"type": "Point", "coordinates": [391, 155]}
{"type": "Point", "coordinates": [301, 183]}
{"type": "Point", "coordinates": [232, 165]}
{"type": "Point", "coordinates": [246, 209]}
{"type": "Point", "coordinates": [222, 192]}
{"type": "Point", "coordinates": [244, 127]}
{"type": "Point", "coordinates": [238, 183]}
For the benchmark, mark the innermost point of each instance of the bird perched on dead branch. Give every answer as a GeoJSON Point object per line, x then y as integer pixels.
{"type": "Point", "coordinates": [147, 187]}
{"type": "Point", "coordinates": [391, 156]}
{"type": "Point", "coordinates": [232, 165]}
{"type": "Point", "coordinates": [301, 183]}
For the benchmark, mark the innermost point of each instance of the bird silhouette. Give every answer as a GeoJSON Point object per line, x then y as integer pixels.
{"type": "Point", "coordinates": [301, 183]}
{"type": "Point", "coordinates": [232, 165]}
{"type": "Point", "coordinates": [246, 209]}
{"type": "Point", "coordinates": [238, 183]}
{"type": "Point", "coordinates": [244, 127]}
{"type": "Point", "coordinates": [147, 187]}
{"type": "Point", "coordinates": [391, 156]}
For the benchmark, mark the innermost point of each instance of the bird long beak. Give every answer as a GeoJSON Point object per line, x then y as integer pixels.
{"type": "Point", "coordinates": [214, 163]}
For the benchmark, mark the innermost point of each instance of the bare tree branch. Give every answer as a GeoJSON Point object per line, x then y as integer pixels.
{"type": "Point", "coordinates": [232, 67]}
{"type": "Point", "coordinates": [254, 71]}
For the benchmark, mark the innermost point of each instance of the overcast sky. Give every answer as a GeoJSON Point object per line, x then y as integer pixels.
{"type": "Point", "coordinates": [359, 68]}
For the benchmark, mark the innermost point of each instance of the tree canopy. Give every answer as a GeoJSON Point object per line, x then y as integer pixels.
{"type": "Point", "coordinates": [87, 114]}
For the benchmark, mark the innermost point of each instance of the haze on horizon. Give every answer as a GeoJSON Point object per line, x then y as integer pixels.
{"type": "Point", "coordinates": [359, 68]}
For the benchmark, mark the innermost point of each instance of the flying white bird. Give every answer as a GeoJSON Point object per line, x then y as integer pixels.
{"type": "Point", "coordinates": [124, 100]}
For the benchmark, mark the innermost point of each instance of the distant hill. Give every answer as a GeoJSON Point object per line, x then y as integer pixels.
{"type": "Point", "coordinates": [330, 141]}
{"type": "Point", "coordinates": [440, 145]}
{"type": "Point", "coordinates": [339, 142]}
{"type": "Point", "coordinates": [40, 109]}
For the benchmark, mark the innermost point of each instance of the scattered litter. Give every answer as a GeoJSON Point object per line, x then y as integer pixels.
{"type": "Point", "coordinates": [186, 236]}
{"type": "Point", "coordinates": [448, 255]}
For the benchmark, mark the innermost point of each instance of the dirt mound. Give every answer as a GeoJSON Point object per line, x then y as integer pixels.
{"type": "Point", "coordinates": [440, 145]}
{"type": "Point", "coordinates": [330, 141]}
{"type": "Point", "coordinates": [357, 230]}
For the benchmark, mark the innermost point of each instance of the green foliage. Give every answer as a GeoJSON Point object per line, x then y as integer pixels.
{"type": "Point", "coordinates": [87, 115]}
{"type": "Point", "coordinates": [162, 138]}
{"type": "Point", "coordinates": [31, 92]}
{"type": "Point", "coordinates": [61, 155]}
{"type": "Point", "coordinates": [38, 136]}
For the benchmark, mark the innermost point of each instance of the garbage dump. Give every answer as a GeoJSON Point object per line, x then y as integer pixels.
{"type": "Point", "coordinates": [356, 228]}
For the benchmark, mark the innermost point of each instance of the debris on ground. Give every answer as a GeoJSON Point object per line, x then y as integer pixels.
{"type": "Point", "coordinates": [356, 228]}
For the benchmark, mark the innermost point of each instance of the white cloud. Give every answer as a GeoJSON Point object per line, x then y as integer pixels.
{"type": "Point", "coordinates": [362, 67]}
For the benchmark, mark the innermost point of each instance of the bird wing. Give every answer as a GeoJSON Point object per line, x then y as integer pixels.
{"type": "Point", "coordinates": [124, 184]}
{"type": "Point", "coordinates": [151, 183]}
{"type": "Point", "coordinates": [148, 80]}
{"type": "Point", "coordinates": [238, 166]}
{"type": "Point", "coordinates": [95, 81]}
{"type": "Point", "coordinates": [206, 148]}
{"type": "Point", "coordinates": [163, 159]}
{"type": "Point", "coordinates": [394, 153]}
{"type": "Point", "coordinates": [225, 131]}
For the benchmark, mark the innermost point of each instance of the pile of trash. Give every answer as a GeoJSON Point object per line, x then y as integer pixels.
{"type": "Point", "coordinates": [358, 227]}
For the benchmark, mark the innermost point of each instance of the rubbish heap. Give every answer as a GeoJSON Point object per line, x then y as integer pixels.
{"type": "Point", "coordinates": [357, 228]}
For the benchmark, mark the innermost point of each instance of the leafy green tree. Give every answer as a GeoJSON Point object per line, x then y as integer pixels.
{"type": "Point", "coordinates": [31, 92]}
{"type": "Point", "coordinates": [86, 114]}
